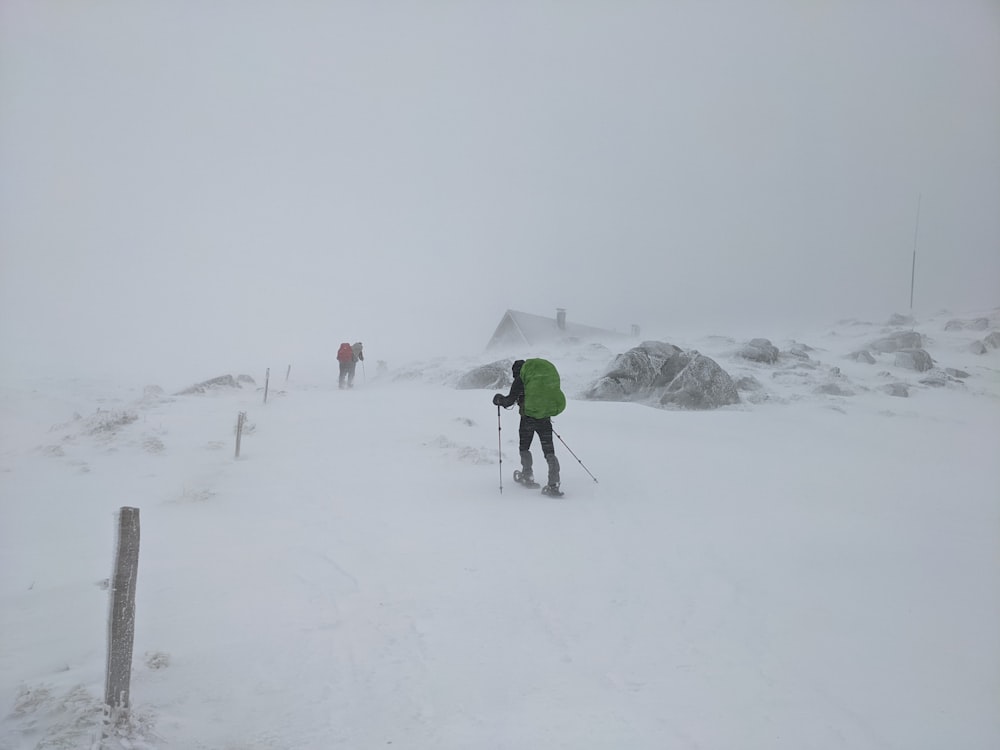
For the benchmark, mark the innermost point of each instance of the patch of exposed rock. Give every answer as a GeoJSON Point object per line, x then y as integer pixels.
{"type": "Point", "coordinates": [896, 389]}
{"type": "Point", "coordinates": [800, 351]}
{"type": "Point", "coordinates": [898, 319]}
{"type": "Point", "coordinates": [833, 389]}
{"type": "Point", "coordinates": [662, 374]}
{"type": "Point", "coordinates": [978, 347]}
{"type": "Point", "coordinates": [496, 375]}
{"type": "Point", "coordinates": [914, 359]}
{"type": "Point", "coordinates": [749, 383]}
{"type": "Point", "coordinates": [836, 385]}
{"type": "Point", "coordinates": [897, 341]}
{"type": "Point", "coordinates": [862, 356]}
{"type": "Point", "coordinates": [976, 324]}
{"type": "Point", "coordinates": [760, 350]}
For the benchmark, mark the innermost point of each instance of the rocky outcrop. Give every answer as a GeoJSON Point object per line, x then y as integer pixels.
{"type": "Point", "coordinates": [760, 350]}
{"type": "Point", "coordinates": [833, 389]}
{"type": "Point", "coordinates": [862, 356]}
{"type": "Point", "coordinates": [492, 376]}
{"type": "Point", "coordinates": [976, 324]}
{"type": "Point", "coordinates": [896, 389]}
{"type": "Point", "coordinates": [632, 373]}
{"type": "Point", "coordinates": [897, 341]}
{"type": "Point", "coordinates": [914, 359]}
{"type": "Point", "coordinates": [700, 384]}
{"type": "Point", "coordinates": [663, 375]}
{"type": "Point", "coordinates": [898, 319]}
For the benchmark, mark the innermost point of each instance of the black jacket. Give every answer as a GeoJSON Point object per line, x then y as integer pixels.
{"type": "Point", "coordinates": [516, 395]}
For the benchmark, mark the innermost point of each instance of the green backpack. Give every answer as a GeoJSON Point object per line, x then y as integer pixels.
{"type": "Point", "coordinates": [542, 397]}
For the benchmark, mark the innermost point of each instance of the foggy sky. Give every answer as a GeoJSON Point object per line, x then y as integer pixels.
{"type": "Point", "coordinates": [235, 183]}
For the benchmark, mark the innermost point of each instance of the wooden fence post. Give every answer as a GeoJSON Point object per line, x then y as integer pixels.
{"type": "Point", "coordinates": [240, 421]}
{"type": "Point", "coordinates": [267, 379]}
{"type": "Point", "coordinates": [121, 619]}
{"type": "Point", "coordinates": [288, 372]}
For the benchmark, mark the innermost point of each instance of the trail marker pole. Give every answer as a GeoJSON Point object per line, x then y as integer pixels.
{"type": "Point", "coordinates": [240, 421]}
{"type": "Point", "coordinates": [121, 619]}
{"type": "Point", "coordinates": [267, 380]}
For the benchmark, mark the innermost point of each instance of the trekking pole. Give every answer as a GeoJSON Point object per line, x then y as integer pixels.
{"type": "Point", "coordinates": [500, 448]}
{"type": "Point", "coordinates": [574, 455]}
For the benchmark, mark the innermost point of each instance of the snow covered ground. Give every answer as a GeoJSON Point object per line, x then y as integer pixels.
{"type": "Point", "coordinates": [803, 570]}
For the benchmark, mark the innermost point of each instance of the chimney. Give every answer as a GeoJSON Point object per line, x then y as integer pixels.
{"type": "Point", "coordinates": [561, 318]}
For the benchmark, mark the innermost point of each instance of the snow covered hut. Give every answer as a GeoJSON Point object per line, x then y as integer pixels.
{"type": "Point", "coordinates": [521, 329]}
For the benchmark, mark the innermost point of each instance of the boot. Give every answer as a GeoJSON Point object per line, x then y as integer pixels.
{"type": "Point", "coordinates": [526, 478]}
{"type": "Point", "coordinates": [553, 463]}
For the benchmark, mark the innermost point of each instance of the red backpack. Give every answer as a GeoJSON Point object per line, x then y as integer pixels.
{"type": "Point", "coordinates": [345, 353]}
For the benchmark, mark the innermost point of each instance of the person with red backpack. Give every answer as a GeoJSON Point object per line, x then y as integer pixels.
{"type": "Point", "coordinates": [348, 359]}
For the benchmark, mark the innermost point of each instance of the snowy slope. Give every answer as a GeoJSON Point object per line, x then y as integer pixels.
{"type": "Point", "coordinates": [802, 571]}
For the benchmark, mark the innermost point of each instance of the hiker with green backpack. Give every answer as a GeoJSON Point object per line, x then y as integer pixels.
{"type": "Point", "coordinates": [536, 392]}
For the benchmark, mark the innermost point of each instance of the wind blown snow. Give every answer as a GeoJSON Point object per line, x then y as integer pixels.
{"type": "Point", "coordinates": [810, 568]}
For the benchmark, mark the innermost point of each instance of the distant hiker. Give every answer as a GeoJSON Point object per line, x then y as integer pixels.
{"type": "Point", "coordinates": [359, 354]}
{"type": "Point", "coordinates": [536, 392]}
{"type": "Point", "coordinates": [345, 356]}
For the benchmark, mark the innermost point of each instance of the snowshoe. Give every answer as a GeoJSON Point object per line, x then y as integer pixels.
{"type": "Point", "coordinates": [552, 490]}
{"type": "Point", "coordinates": [526, 479]}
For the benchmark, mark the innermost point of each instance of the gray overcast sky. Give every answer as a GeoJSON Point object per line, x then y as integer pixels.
{"type": "Point", "coordinates": [236, 181]}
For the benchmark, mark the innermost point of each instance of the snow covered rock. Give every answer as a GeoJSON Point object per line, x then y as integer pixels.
{"type": "Point", "coordinates": [632, 373]}
{"type": "Point", "coordinates": [937, 379]}
{"type": "Point", "coordinates": [665, 375]}
{"type": "Point", "coordinates": [978, 347]}
{"type": "Point", "coordinates": [492, 376]}
{"type": "Point", "coordinates": [898, 341]}
{"type": "Point", "coordinates": [896, 389]}
{"type": "Point", "coordinates": [223, 381]}
{"type": "Point", "coordinates": [993, 340]}
{"type": "Point", "coordinates": [749, 383]}
{"type": "Point", "coordinates": [862, 356]}
{"type": "Point", "coordinates": [833, 389]}
{"type": "Point", "coordinates": [976, 324]}
{"type": "Point", "coordinates": [897, 319]}
{"type": "Point", "coordinates": [800, 351]}
{"type": "Point", "coordinates": [760, 350]}
{"type": "Point", "coordinates": [914, 359]}
{"type": "Point", "coordinates": [700, 384]}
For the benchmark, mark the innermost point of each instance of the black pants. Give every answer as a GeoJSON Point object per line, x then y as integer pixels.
{"type": "Point", "coordinates": [347, 373]}
{"type": "Point", "coordinates": [525, 433]}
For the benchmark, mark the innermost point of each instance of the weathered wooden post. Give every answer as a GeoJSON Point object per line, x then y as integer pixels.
{"type": "Point", "coordinates": [240, 421]}
{"type": "Point", "coordinates": [267, 379]}
{"type": "Point", "coordinates": [121, 619]}
{"type": "Point", "coordinates": [288, 372]}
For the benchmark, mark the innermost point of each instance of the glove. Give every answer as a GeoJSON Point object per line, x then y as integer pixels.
{"type": "Point", "coordinates": [498, 399]}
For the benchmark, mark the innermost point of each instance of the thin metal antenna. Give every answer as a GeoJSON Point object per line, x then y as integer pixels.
{"type": "Point", "coordinates": [913, 268]}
